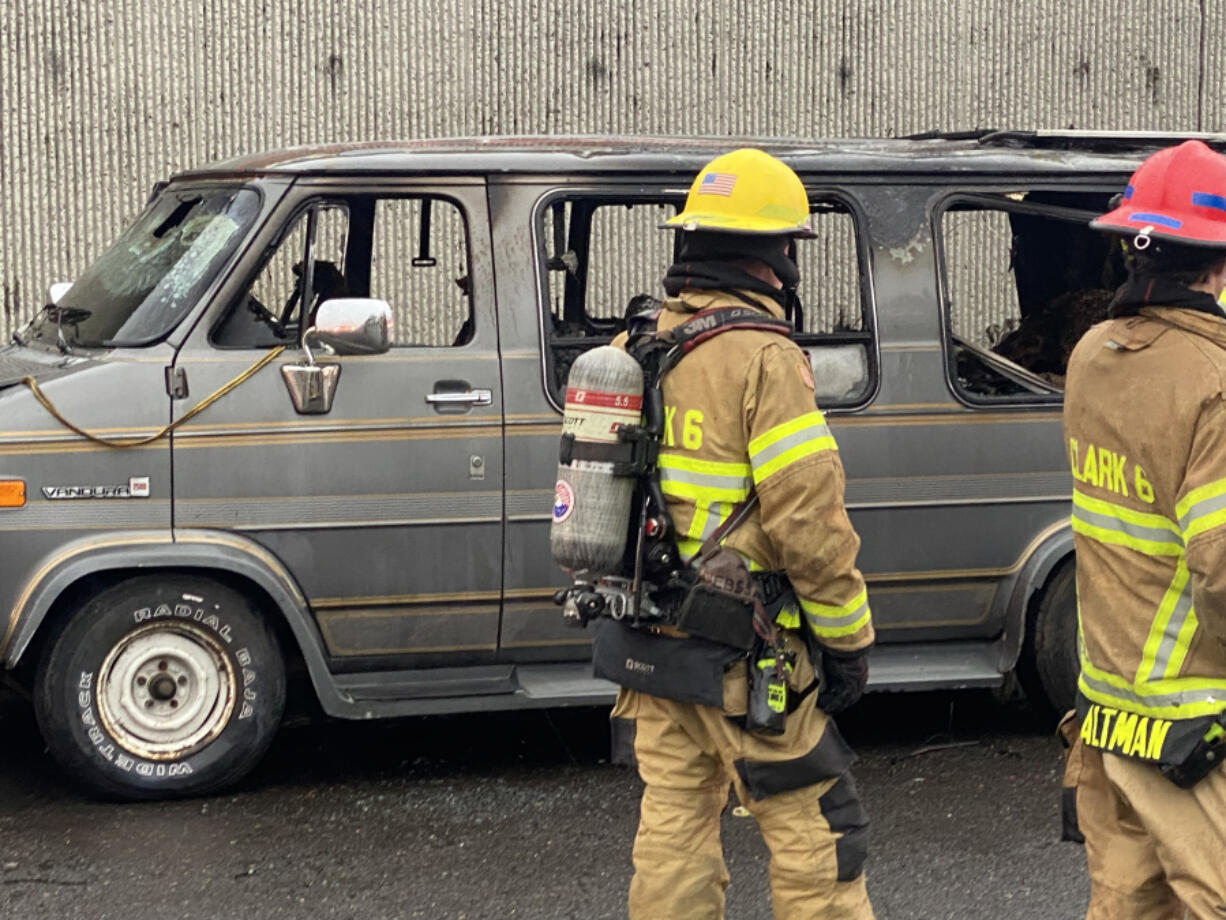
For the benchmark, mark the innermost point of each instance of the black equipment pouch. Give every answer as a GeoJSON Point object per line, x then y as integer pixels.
{"type": "Point", "coordinates": [720, 605]}
{"type": "Point", "coordinates": [1205, 757]}
{"type": "Point", "coordinates": [686, 670]}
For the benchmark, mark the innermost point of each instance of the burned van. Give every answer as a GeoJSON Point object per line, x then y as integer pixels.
{"type": "Point", "coordinates": [303, 417]}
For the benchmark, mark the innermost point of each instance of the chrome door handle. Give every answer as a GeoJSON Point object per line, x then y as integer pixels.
{"type": "Point", "coordinates": [471, 398]}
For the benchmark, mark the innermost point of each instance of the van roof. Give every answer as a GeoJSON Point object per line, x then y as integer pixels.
{"type": "Point", "coordinates": [973, 151]}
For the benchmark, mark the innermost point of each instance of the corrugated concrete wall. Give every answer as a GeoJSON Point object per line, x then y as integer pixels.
{"type": "Point", "coordinates": [99, 98]}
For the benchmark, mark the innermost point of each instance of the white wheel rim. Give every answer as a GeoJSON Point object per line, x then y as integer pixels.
{"type": "Point", "coordinates": [166, 690]}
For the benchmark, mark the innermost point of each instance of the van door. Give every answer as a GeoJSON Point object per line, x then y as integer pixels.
{"type": "Point", "coordinates": [596, 250]}
{"type": "Point", "coordinates": [386, 510]}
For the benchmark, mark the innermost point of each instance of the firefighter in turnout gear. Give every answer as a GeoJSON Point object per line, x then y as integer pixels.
{"type": "Point", "coordinates": [1145, 428]}
{"type": "Point", "coordinates": [741, 419]}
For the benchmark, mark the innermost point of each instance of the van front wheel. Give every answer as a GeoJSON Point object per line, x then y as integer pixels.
{"type": "Point", "coordinates": [161, 686]}
{"type": "Point", "coordinates": [1051, 642]}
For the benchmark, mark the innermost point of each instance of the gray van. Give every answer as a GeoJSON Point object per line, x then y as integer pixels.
{"type": "Point", "coordinates": [194, 506]}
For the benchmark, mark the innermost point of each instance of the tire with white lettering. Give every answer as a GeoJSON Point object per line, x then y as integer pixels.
{"type": "Point", "coordinates": [161, 686]}
{"type": "Point", "coordinates": [1051, 644]}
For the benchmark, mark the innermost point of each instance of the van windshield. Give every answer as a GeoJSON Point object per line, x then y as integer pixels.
{"type": "Point", "coordinates": [148, 280]}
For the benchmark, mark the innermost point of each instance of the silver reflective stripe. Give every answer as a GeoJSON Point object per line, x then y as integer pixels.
{"type": "Point", "coordinates": [716, 512]}
{"type": "Point", "coordinates": [1127, 528]}
{"type": "Point", "coordinates": [705, 480]}
{"type": "Point", "coordinates": [1200, 509]}
{"type": "Point", "coordinates": [1170, 635]}
{"type": "Point", "coordinates": [810, 433]}
{"type": "Point", "coordinates": [1129, 695]}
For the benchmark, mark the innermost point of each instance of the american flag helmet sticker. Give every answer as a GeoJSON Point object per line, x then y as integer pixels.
{"type": "Point", "coordinates": [717, 184]}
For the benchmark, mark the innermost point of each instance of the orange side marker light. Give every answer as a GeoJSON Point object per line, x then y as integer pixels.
{"type": "Point", "coordinates": [12, 493]}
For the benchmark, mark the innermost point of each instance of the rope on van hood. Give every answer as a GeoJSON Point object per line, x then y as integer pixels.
{"type": "Point", "coordinates": [189, 414]}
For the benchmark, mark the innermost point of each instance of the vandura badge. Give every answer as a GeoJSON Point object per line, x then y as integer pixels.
{"type": "Point", "coordinates": [137, 487]}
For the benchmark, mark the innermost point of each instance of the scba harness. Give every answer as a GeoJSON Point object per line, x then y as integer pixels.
{"type": "Point", "coordinates": [724, 611]}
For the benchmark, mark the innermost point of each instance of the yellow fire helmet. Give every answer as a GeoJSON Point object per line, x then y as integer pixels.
{"type": "Point", "coordinates": [746, 191]}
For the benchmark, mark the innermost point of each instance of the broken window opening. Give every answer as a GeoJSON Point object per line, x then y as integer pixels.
{"type": "Point", "coordinates": [603, 259]}
{"type": "Point", "coordinates": [411, 252]}
{"type": "Point", "coordinates": [1024, 278]}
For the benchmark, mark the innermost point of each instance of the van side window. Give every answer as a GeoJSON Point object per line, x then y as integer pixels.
{"type": "Point", "coordinates": [836, 332]}
{"type": "Point", "coordinates": [603, 258]}
{"type": "Point", "coordinates": [419, 265]}
{"type": "Point", "coordinates": [1023, 278]}
{"type": "Point", "coordinates": [410, 252]}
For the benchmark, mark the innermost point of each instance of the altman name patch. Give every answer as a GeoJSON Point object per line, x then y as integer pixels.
{"type": "Point", "coordinates": [1124, 733]}
{"type": "Point", "coordinates": [137, 487]}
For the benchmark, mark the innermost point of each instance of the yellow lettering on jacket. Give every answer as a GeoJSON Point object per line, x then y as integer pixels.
{"type": "Point", "coordinates": [1087, 726]}
{"type": "Point", "coordinates": [669, 413]}
{"type": "Point", "coordinates": [691, 433]}
{"type": "Point", "coordinates": [1073, 459]}
{"type": "Point", "coordinates": [1125, 727]}
{"type": "Point", "coordinates": [1124, 733]}
{"type": "Point", "coordinates": [1139, 739]}
{"type": "Point", "coordinates": [1102, 467]}
{"type": "Point", "coordinates": [1157, 738]}
{"type": "Point", "coordinates": [1104, 727]}
{"type": "Point", "coordinates": [1089, 473]}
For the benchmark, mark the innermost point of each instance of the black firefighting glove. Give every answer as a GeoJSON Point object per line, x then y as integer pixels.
{"type": "Point", "coordinates": [846, 675]}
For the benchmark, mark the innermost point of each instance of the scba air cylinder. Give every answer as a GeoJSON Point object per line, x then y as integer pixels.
{"type": "Point", "coordinates": [592, 506]}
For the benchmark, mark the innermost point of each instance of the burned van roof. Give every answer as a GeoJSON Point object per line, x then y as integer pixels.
{"type": "Point", "coordinates": [976, 152]}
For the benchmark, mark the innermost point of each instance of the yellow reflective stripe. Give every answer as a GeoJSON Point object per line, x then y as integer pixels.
{"type": "Point", "coordinates": [1151, 534]}
{"type": "Point", "coordinates": [827, 621]}
{"type": "Point", "coordinates": [1175, 698]}
{"type": "Point", "coordinates": [785, 444]}
{"type": "Point", "coordinates": [703, 480]}
{"type": "Point", "coordinates": [779, 432]}
{"type": "Point", "coordinates": [1202, 509]}
{"type": "Point", "coordinates": [1176, 597]}
{"type": "Point", "coordinates": [674, 461]}
{"type": "Point", "coordinates": [675, 488]}
{"type": "Point", "coordinates": [1139, 518]}
{"type": "Point", "coordinates": [1199, 495]}
{"type": "Point", "coordinates": [1183, 644]}
{"type": "Point", "coordinates": [788, 457]}
{"type": "Point", "coordinates": [698, 523]}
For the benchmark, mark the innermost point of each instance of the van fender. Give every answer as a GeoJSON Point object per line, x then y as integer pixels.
{"type": "Point", "coordinates": [1049, 549]}
{"type": "Point", "coordinates": [134, 551]}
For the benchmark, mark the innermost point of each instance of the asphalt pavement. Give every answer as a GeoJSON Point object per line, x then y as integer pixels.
{"type": "Point", "coordinates": [520, 816]}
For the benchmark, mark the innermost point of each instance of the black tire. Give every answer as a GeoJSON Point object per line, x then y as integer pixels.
{"type": "Point", "coordinates": [1051, 668]}
{"type": "Point", "coordinates": [200, 699]}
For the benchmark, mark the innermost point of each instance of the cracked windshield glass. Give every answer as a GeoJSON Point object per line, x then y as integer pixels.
{"type": "Point", "coordinates": [149, 279]}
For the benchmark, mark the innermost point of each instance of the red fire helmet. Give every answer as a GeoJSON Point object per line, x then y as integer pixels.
{"type": "Point", "coordinates": [1177, 194]}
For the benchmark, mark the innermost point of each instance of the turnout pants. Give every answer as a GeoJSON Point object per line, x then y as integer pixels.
{"type": "Point", "coordinates": [1152, 848]}
{"type": "Point", "coordinates": [796, 785]}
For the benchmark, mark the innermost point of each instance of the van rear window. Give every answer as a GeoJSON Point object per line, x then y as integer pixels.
{"type": "Point", "coordinates": [1023, 278]}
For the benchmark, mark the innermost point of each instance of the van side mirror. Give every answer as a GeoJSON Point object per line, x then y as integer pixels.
{"type": "Point", "coordinates": [353, 326]}
{"type": "Point", "coordinates": [346, 326]}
